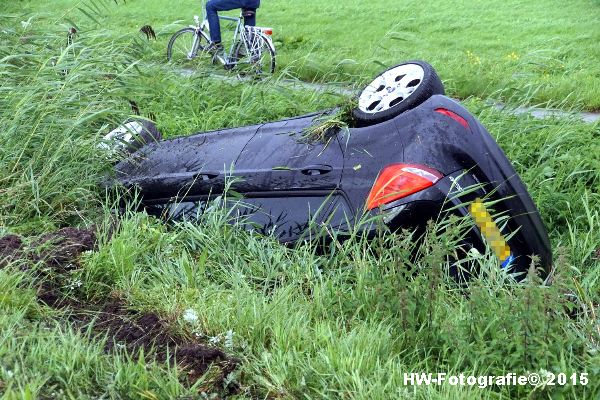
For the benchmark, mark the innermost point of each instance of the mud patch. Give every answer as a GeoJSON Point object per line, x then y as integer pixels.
{"type": "Point", "coordinates": [10, 249]}
{"type": "Point", "coordinates": [133, 331]}
{"type": "Point", "coordinates": [55, 253]}
{"type": "Point", "coordinates": [198, 359]}
{"type": "Point", "coordinates": [57, 250]}
{"type": "Point", "coordinates": [58, 254]}
{"type": "Point", "coordinates": [61, 249]}
{"type": "Point", "coordinates": [126, 328]}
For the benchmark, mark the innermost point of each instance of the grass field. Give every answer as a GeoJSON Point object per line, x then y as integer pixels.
{"type": "Point", "coordinates": [294, 322]}
{"type": "Point", "coordinates": [542, 51]}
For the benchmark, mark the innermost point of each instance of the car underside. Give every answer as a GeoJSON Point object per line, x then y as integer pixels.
{"type": "Point", "coordinates": [431, 159]}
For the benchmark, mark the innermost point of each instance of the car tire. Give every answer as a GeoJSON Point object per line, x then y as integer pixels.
{"type": "Point", "coordinates": [148, 134]}
{"type": "Point", "coordinates": [396, 90]}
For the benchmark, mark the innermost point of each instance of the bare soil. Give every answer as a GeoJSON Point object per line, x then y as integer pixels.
{"type": "Point", "coordinates": [125, 329]}
{"type": "Point", "coordinates": [61, 249]}
{"type": "Point", "coordinates": [132, 331]}
{"type": "Point", "coordinates": [58, 250]}
{"type": "Point", "coordinates": [10, 249]}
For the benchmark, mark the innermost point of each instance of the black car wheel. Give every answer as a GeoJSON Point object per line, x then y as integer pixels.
{"type": "Point", "coordinates": [395, 90]}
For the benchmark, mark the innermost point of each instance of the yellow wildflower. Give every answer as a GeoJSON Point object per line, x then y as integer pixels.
{"type": "Point", "coordinates": [512, 56]}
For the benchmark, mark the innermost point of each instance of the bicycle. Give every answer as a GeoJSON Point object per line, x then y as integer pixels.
{"type": "Point", "coordinates": [252, 49]}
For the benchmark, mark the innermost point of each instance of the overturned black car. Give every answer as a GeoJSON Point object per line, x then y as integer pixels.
{"type": "Point", "coordinates": [412, 154]}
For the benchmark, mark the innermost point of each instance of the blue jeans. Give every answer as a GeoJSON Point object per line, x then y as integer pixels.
{"type": "Point", "coordinates": [224, 5]}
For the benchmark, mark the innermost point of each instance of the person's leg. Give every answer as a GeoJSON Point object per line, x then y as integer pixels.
{"type": "Point", "coordinates": [250, 16]}
{"type": "Point", "coordinates": [212, 8]}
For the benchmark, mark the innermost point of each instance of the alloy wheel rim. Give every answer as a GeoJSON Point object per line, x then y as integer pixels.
{"type": "Point", "coordinates": [391, 88]}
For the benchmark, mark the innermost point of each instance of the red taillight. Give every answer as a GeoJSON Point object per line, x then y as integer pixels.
{"type": "Point", "coordinates": [454, 116]}
{"type": "Point", "coordinates": [268, 31]}
{"type": "Point", "coordinates": [400, 180]}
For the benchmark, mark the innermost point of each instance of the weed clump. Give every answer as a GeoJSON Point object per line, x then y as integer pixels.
{"type": "Point", "coordinates": [331, 122]}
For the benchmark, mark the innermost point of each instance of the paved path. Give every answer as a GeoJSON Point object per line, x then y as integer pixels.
{"type": "Point", "coordinates": [541, 113]}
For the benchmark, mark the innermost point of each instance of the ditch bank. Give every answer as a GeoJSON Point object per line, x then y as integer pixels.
{"type": "Point", "coordinates": [54, 255]}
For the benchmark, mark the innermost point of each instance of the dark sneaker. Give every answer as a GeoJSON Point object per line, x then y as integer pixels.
{"type": "Point", "coordinates": [214, 48]}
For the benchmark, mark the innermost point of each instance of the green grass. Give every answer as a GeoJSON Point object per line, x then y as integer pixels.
{"type": "Point", "coordinates": [544, 51]}
{"type": "Point", "coordinates": [346, 323]}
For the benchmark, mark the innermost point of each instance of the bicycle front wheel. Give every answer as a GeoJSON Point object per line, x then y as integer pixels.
{"type": "Point", "coordinates": [185, 45]}
{"type": "Point", "coordinates": [255, 56]}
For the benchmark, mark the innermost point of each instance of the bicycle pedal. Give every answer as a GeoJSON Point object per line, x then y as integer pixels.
{"type": "Point", "coordinates": [219, 59]}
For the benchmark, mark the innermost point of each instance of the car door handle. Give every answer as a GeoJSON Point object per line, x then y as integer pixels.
{"type": "Point", "coordinates": [313, 170]}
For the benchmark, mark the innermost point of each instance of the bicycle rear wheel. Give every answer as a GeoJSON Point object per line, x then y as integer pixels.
{"type": "Point", "coordinates": [185, 45]}
{"type": "Point", "coordinates": [254, 57]}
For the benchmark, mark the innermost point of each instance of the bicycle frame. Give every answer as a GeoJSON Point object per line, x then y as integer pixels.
{"type": "Point", "coordinates": [238, 34]}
